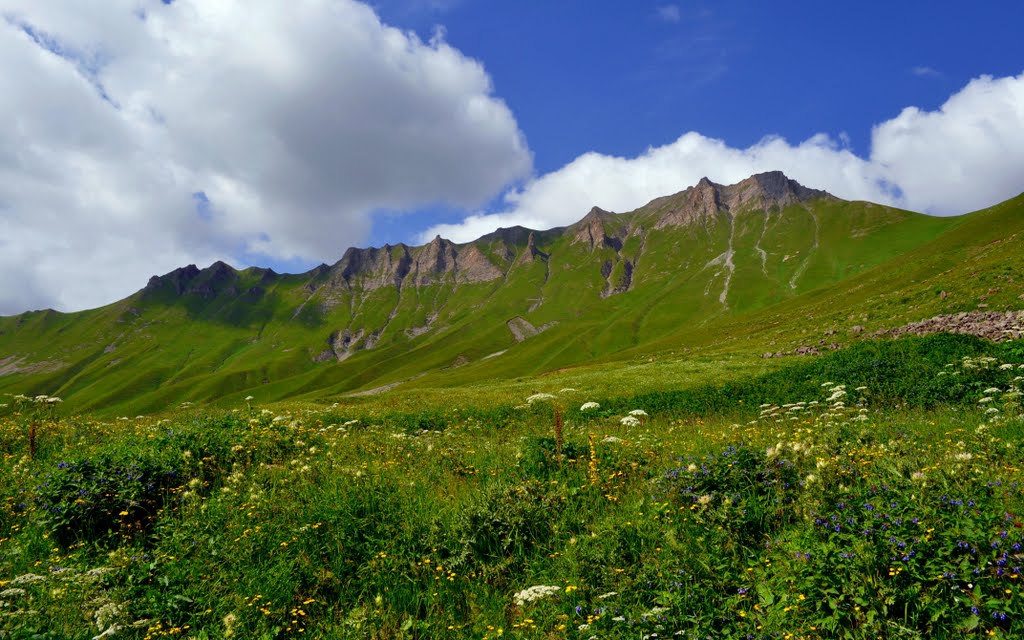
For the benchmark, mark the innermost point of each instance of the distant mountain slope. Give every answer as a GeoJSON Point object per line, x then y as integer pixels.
{"type": "Point", "coordinates": [515, 302]}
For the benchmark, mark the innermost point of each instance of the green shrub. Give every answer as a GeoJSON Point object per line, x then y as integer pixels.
{"type": "Point", "coordinates": [90, 499]}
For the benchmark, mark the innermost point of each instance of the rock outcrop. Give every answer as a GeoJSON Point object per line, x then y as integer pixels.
{"type": "Point", "coordinates": [991, 325]}
{"type": "Point", "coordinates": [401, 265]}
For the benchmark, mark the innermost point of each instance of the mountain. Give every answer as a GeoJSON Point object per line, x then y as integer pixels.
{"type": "Point", "coordinates": [751, 266]}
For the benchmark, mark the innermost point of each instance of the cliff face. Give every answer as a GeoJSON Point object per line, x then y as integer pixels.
{"type": "Point", "coordinates": [400, 265]}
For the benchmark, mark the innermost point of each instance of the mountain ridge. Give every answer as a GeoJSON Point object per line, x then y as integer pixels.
{"type": "Point", "coordinates": [731, 260]}
{"type": "Point", "coordinates": [390, 264]}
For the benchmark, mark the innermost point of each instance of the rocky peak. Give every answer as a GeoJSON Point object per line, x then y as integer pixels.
{"type": "Point", "coordinates": [434, 260]}
{"type": "Point", "coordinates": [769, 190]}
{"type": "Point", "coordinates": [706, 199]}
{"type": "Point", "coordinates": [590, 230]}
{"type": "Point", "coordinates": [374, 267]}
{"type": "Point", "coordinates": [531, 252]}
{"type": "Point", "coordinates": [218, 278]}
{"type": "Point", "coordinates": [507, 235]}
{"type": "Point", "coordinates": [176, 280]}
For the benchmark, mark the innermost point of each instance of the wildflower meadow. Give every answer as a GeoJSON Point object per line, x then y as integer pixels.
{"type": "Point", "coordinates": [875, 492]}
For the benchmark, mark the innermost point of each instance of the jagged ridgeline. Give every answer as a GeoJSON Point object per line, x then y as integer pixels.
{"type": "Point", "coordinates": [513, 302]}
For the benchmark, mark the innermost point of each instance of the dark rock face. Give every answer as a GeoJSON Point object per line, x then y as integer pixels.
{"type": "Point", "coordinates": [178, 279]}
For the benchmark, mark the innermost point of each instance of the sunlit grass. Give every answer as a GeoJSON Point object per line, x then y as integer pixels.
{"type": "Point", "coordinates": [830, 509]}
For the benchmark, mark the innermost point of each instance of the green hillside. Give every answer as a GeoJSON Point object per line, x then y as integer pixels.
{"type": "Point", "coordinates": [713, 273]}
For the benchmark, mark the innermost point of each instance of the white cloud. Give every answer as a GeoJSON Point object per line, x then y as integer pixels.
{"type": "Point", "coordinates": [297, 120]}
{"type": "Point", "coordinates": [967, 155]}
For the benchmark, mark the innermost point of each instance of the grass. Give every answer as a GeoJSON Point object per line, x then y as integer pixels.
{"type": "Point", "coordinates": [872, 492]}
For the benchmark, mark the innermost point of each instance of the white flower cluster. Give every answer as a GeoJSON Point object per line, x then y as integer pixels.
{"type": "Point", "coordinates": [538, 397]}
{"type": "Point", "coordinates": [630, 421]}
{"type": "Point", "coordinates": [27, 578]}
{"type": "Point", "coordinates": [40, 399]}
{"type": "Point", "coordinates": [534, 593]}
{"type": "Point", "coordinates": [638, 413]}
{"type": "Point", "coordinates": [106, 616]}
{"type": "Point", "coordinates": [587, 406]}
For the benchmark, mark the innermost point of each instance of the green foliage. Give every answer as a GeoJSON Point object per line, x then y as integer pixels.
{"type": "Point", "coordinates": [91, 499]}
{"type": "Point", "coordinates": [505, 524]}
{"type": "Point", "coordinates": [907, 372]}
{"type": "Point", "coordinates": [870, 492]}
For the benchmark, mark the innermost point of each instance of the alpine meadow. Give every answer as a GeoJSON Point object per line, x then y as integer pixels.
{"type": "Point", "coordinates": [752, 411]}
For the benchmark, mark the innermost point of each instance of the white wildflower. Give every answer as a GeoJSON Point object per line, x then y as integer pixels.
{"type": "Point", "coordinates": [534, 593]}
{"type": "Point", "coordinates": [106, 615]}
{"type": "Point", "coordinates": [605, 596]}
{"type": "Point", "coordinates": [11, 593]}
{"type": "Point", "coordinates": [538, 397]}
{"type": "Point", "coordinates": [630, 421]}
{"type": "Point", "coordinates": [1005, 367]}
{"type": "Point", "coordinates": [248, 398]}
{"type": "Point", "coordinates": [639, 413]}
{"type": "Point", "coordinates": [985, 400]}
{"type": "Point", "coordinates": [611, 440]}
{"type": "Point", "coordinates": [587, 406]}
{"type": "Point", "coordinates": [704, 500]}
{"type": "Point", "coordinates": [27, 578]}
{"type": "Point", "coordinates": [991, 390]}
{"type": "Point", "coordinates": [567, 390]}
{"type": "Point", "coordinates": [98, 571]}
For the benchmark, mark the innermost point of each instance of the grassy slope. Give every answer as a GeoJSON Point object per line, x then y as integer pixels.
{"type": "Point", "coordinates": [822, 266]}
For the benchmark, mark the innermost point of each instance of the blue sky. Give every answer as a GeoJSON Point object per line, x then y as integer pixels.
{"type": "Point", "coordinates": [617, 77]}
{"type": "Point", "coordinates": [145, 135]}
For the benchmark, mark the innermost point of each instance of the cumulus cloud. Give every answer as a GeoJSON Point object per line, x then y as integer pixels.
{"type": "Point", "coordinates": [141, 136]}
{"type": "Point", "coordinates": [967, 155]}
